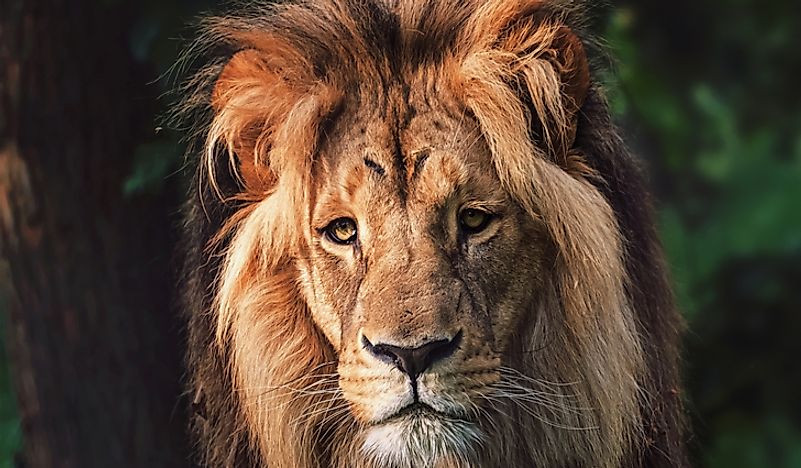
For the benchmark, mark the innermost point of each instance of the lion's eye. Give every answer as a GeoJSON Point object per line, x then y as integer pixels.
{"type": "Point", "coordinates": [341, 231]}
{"type": "Point", "coordinates": [472, 220]}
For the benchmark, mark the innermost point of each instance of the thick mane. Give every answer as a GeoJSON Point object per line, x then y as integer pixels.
{"type": "Point", "coordinates": [263, 376]}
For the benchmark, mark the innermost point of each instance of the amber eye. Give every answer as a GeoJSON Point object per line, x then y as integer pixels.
{"type": "Point", "coordinates": [341, 231]}
{"type": "Point", "coordinates": [473, 220]}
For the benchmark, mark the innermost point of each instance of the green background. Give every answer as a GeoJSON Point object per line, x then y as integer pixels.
{"type": "Point", "coordinates": [708, 94]}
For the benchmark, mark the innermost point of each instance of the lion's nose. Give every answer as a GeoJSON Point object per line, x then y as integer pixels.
{"type": "Point", "coordinates": [414, 361]}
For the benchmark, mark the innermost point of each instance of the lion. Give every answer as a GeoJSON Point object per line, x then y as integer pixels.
{"type": "Point", "coordinates": [415, 239]}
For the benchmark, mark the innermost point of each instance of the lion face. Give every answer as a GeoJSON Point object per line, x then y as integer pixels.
{"type": "Point", "coordinates": [420, 267]}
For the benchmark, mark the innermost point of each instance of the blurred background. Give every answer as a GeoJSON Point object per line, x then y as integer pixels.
{"type": "Point", "coordinates": [91, 187]}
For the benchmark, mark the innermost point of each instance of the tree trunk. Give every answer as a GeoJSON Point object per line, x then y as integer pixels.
{"type": "Point", "coordinates": [92, 337]}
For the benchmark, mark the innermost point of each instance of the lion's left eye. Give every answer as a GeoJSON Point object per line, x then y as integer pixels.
{"type": "Point", "coordinates": [341, 231]}
{"type": "Point", "coordinates": [473, 220]}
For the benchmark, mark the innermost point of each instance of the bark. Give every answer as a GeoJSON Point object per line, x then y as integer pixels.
{"type": "Point", "coordinates": [92, 339]}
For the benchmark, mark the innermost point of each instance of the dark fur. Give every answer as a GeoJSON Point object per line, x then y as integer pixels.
{"type": "Point", "coordinates": [215, 421]}
{"type": "Point", "coordinates": [649, 291]}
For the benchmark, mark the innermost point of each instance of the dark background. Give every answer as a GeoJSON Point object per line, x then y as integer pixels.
{"type": "Point", "coordinates": [707, 91]}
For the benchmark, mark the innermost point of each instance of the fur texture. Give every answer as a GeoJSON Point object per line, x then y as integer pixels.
{"type": "Point", "coordinates": [401, 116]}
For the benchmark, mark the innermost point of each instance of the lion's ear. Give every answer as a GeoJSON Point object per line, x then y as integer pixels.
{"type": "Point", "coordinates": [245, 115]}
{"type": "Point", "coordinates": [548, 67]}
{"type": "Point", "coordinates": [552, 66]}
{"type": "Point", "coordinates": [573, 67]}
{"type": "Point", "coordinates": [268, 105]}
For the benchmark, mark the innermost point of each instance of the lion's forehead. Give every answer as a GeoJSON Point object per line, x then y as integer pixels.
{"type": "Point", "coordinates": [419, 152]}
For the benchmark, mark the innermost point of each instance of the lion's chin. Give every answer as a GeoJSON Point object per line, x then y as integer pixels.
{"type": "Point", "coordinates": [420, 439]}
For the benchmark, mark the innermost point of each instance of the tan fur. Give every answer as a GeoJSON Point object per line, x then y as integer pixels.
{"type": "Point", "coordinates": [547, 373]}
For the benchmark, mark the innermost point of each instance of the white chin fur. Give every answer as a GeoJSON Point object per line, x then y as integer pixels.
{"type": "Point", "coordinates": [422, 442]}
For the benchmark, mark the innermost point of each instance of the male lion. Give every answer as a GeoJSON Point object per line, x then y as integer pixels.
{"type": "Point", "coordinates": [416, 240]}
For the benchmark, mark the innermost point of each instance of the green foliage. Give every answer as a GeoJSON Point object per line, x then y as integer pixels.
{"type": "Point", "coordinates": [725, 158]}
{"type": "Point", "coordinates": [153, 163]}
{"type": "Point", "coordinates": [10, 438]}
{"type": "Point", "coordinates": [771, 443]}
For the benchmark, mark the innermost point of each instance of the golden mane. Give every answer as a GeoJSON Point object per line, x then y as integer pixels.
{"type": "Point", "coordinates": [267, 379]}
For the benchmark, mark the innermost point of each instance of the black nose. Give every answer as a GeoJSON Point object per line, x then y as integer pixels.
{"type": "Point", "coordinates": [414, 361]}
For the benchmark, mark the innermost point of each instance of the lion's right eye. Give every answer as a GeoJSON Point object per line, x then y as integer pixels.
{"type": "Point", "coordinates": [341, 231]}
{"type": "Point", "coordinates": [473, 220]}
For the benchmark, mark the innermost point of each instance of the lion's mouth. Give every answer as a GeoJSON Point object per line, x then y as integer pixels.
{"type": "Point", "coordinates": [417, 410]}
